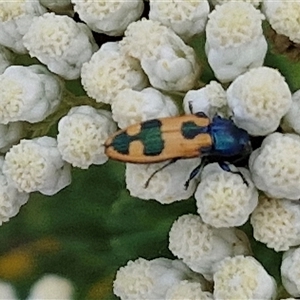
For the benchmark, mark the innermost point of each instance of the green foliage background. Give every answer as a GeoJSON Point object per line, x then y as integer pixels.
{"type": "Point", "coordinates": [92, 227]}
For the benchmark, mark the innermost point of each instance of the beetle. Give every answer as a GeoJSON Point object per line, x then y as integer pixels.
{"type": "Point", "coordinates": [179, 137]}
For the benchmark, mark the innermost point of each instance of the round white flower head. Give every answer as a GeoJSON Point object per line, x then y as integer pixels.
{"type": "Point", "coordinates": [259, 99]}
{"type": "Point", "coordinates": [186, 18]}
{"type": "Point", "coordinates": [109, 71]}
{"type": "Point", "coordinates": [60, 43]}
{"type": "Point", "coordinates": [28, 94]}
{"type": "Point", "coordinates": [131, 107]}
{"type": "Point", "coordinates": [11, 199]}
{"type": "Point", "coordinates": [210, 99]}
{"type": "Point", "coordinates": [202, 246]}
{"type": "Point", "coordinates": [168, 62]}
{"type": "Point", "coordinates": [167, 185]}
{"type": "Point", "coordinates": [255, 3]}
{"type": "Point", "coordinates": [7, 291]}
{"type": "Point", "coordinates": [187, 290]}
{"type": "Point", "coordinates": [6, 58]}
{"type": "Point", "coordinates": [274, 166]}
{"type": "Point", "coordinates": [109, 17]}
{"type": "Point", "coordinates": [290, 121]}
{"type": "Point", "coordinates": [10, 134]}
{"type": "Point", "coordinates": [36, 165]}
{"type": "Point", "coordinates": [223, 199]}
{"type": "Point", "coordinates": [61, 7]}
{"type": "Point", "coordinates": [290, 271]}
{"type": "Point", "coordinates": [15, 19]}
{"type": "Point", "coordinates": [234, 40]}
{"type": "Point", "coordinates": [284, 17]}
{"type": "Point", "coordinates": [143, 279]}
{"type": "Point", "coordinates": [81, 136]}
{"type": "Point", "coordinates": [276, 223]}
{"type": "Point", "coordinates": [53, 287]}
{"type": "Point", "coordinates": [242, 277]}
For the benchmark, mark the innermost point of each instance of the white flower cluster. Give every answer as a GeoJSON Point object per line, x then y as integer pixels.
{"type": "Point", "coordinates": [143, 77]}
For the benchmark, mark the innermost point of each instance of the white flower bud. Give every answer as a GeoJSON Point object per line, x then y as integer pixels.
{"type": "Point", "coordinates": [259, 99]}
{"type": "Point", "coordinates": [202, 246]}
{"type": "Point", "coordinates": [28, 94]}
{"type": "Point", "coordinates": [143, 279]}
{"type": "Point", "coordinates": [109, 17]}
{"type": "Point", "coordinates": [167, 185]}
{"type": "Point", "coordinates": [11, 199]}
{"type": "Point", "coordinates": [242, 277]}
{"type": "Point", "coordinates": [81, 136]}
{"type": "Point", "coordinates": [274, 166]}
{"type": "Point", "coordinates": [284, 17]}
{"type": "Point", "coordinates": [131, 107]}
{"type": "Point", "coordinates": [290, 271]}
{"type": "Point", "coordinates": [60, 43]}
{"type": "Point", "coordinates": [168, 62]}
{"type": "Point", "coordinates": [210, 99]}
{"type": "Point", "coordinates": [276, 223]}
{"type": "Point", "coordinates": [185, 18]}
{"type": "Point", "coordinates": [15, 19]}
{"type": "Point", "coordinates": [108, 72]}
{"type": "Point", "coordinates": [223, 199]}
{"type": "Point", "coordinates": [36, 165]}
{"type": "Point", "coordinates": [234, 40]}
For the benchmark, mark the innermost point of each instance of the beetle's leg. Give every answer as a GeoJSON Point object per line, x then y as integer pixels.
{"type": "Point", "coordinates": [225, 167]}
{"type": "Point", "coordinates": [199, 114]}
{"type": "Point", "coordinates": [195, 172]}
{"type": "Point", "coordinates": [172, 161]}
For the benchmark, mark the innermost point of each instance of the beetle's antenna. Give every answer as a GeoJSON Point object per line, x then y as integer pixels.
{"type": "Point", "coordinates": [172, 161]}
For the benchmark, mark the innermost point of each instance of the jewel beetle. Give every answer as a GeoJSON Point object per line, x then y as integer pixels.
{"type": "Point", "coordinates": [179, 137]}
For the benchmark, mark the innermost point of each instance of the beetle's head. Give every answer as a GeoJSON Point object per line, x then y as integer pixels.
{"type": "Point", "coordinates": [244, 142]}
